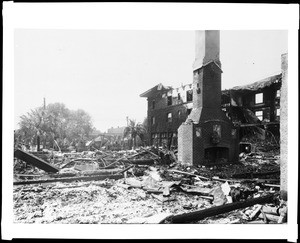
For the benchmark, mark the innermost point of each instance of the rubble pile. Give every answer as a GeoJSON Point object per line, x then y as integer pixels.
{"type": "Point", "coordinates": [148, 185]}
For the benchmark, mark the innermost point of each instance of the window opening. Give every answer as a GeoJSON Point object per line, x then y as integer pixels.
{"type": "Point", "coordinates": [278, 93]}
{"type": "Point", "coordinates": [153, 120]}
{"type": "Point", "coordinates": [259, 98]}
{"type": "Point", "coordinates": [259, 115]}
{"type": "Point", "coordinates": [169, 117]}
{"type": "Point", "coordinates": [189, 95]}
{"type": "Point", "coordinates": [170, 100]}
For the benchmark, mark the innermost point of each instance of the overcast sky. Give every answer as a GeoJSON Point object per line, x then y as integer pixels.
{"type": "Point", "coordinates": [104, 71]}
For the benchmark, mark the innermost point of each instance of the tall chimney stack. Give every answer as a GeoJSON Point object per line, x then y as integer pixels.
{"type": "Point", "coordinates": [207, 136]}
{"type": "Point", "coordinates": [206, 76]}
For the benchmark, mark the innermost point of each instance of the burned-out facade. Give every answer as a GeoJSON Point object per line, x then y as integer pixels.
{"type": "Point", "coordinates": [254, 104]}
{"type": "Point", "coordinates": [168, 108]}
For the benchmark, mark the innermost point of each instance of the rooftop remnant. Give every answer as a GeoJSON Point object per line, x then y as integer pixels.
{"type": "Point", "coordinates": [260, 84]}
{"type": "Point", "coordinates": [156, 88]}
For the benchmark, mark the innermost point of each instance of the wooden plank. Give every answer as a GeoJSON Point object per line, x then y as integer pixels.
{"type": "Point", "coordinates": [270, 210]}
{"type": "Point", "coordinates": [34, 160]}
{"type": "Point", "coordinates": [141, 161]}
{"type": "Point", "coordinates": [122, 159]}
{"type": "Point", "coordinates": [150, 152]}
{"type": "Point", "coordinates": [225, 180]}
{"type": "Point", "coordinates": [213, 211]}
{"type": "Point", "coordinates": [251, 175]}
{"type": "Point", "coordinates": [155, 219]}
{"type": "Point", "coordinates": [189, 174]}
{"type": "Point", "coordinates": [206, 197]}
{"type": "Point", "coordinates": [69, 179]}
{"type": "Point", "coordinates": [28, 175]}
{"type": "Point", "coordinates": [272, 185]}
{"type": "Point", "coordinates": [258, 180]}
{"type": "Point", "coordinates": [122, 171]}
{"type": "Point", "coordinates": [269, 217]}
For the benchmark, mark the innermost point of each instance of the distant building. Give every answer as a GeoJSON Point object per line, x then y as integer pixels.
{"type": "Point", "coordinates": [117, 131]}
{"type": "Point", "coordinates": [112, 139]}
{"type": "Point", "coordinates": [253, 104]}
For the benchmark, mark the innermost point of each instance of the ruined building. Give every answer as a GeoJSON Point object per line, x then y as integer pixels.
{"type": "Point", "coordinates": [255, 104]}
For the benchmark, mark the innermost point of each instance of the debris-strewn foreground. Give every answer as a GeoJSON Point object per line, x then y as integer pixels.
{"type": "Point", "coordinates": [148, 185]}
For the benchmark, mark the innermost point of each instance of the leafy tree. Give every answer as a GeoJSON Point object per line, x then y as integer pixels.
{"type": "Point", "coordinates": [55, 124]}
{"type": "Point", "coordinates": [133, 130]}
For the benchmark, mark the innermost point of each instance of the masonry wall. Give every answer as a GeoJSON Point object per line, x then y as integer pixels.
{"type": "Point", "coordinates": [186, 141]}
{"type": "Point", "coordinates": [180, 108]}
{"type": "Point", "coordinates": [246, 99]}
{"type": "Point", "coordinates": [284, 124]}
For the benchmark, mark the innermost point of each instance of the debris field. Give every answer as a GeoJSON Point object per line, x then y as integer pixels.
{"type": "Point", "coordinates": [147, 185]}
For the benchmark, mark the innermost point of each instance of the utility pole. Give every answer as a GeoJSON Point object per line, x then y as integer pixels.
{"type": "Point", "coordinates": [38, 139]}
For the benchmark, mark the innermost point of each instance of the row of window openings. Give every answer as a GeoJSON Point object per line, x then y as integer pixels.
{"type": "Point", "coordinates": [163, 135]}
{"type": "Point", "coordinates": [259, 114]}
{"type": "Point", "coordinates": [169, 116]}
{"type": "Point", "coordinates": [259, 97]}
{"type": "Point", "coordinates": [198, 131]}
{"type": "Point", "coordinates": [189, 98]}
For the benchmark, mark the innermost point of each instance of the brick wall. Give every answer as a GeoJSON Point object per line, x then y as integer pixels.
{"type": "Point", "coordinates": [185, 144]}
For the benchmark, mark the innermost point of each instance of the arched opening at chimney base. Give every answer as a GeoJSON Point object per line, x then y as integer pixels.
{"type": "Point", "coordinates": [216, 155]}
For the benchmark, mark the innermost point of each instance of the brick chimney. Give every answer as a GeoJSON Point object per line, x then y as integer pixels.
{"type": "Point", "coordinates": [207, 77]}
{"type": "Point", "coordinates": [207, 136]}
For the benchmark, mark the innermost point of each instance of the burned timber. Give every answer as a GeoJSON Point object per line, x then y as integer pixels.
{"type": "Point", "coordinates": [212, 156]}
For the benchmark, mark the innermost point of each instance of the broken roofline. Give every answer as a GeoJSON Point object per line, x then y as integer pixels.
{"type": "Point", "coordinates": [252, 87]}
{"type": "Point", "coordinates": [156, 88]}
{"type": "Point", "coordinates": [260, 84]}
{"type": "Point", "coordinates": [159, 87]}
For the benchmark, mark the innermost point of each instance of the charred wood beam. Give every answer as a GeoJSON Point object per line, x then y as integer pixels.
{"type": "Point", "coordinates": [28, 175]}
{"type": "Point", "coordinates": [69, 179]}
{"type": "Point", "coordinates": [258, 124]}
{"type": "Point", "coordinates": [140, 161]}
{"type": "Point", "coordinates": [189, 174]}
{"type": "Point", "coordinates": [122, 159]}
{"type": "Point", "coordinates": [251, 175]}
{"type": "Point", "coordinates": [272, 185]}
{"type": "Point", "coordinates": [122, 171]}
{"type": "Point", "coordinates": [246, 180]}
{"type": "Point", "coordinates": [34, 160]}
{"type": "Point", "coordinates": [213, 211]}
{"type": "Point", "coordinates": [258, 180]}
{"type": "Point", "coordinates": [150, 152]}
{"type": "Point", "coordinates": [225, 180]}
